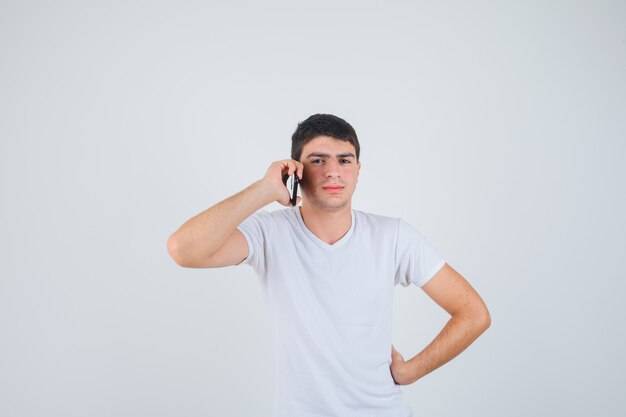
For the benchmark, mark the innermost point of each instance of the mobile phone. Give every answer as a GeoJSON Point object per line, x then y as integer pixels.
{"type": "Point", "coordinates": [292, 185]}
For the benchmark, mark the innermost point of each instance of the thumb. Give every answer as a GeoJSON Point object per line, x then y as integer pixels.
{"type": "Point", "coordinates": [395, 355]}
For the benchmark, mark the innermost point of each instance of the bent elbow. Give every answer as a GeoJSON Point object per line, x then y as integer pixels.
{"type": "Point", "coordinates": [484, 319]}
{"type": "Point", "coordinates": [173, 249]}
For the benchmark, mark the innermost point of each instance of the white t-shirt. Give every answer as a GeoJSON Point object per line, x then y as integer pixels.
{"type": "Point", "coordinates": [331, 308]}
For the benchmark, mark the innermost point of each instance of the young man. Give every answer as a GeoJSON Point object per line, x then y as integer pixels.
{"type": "Point", "coordinates": [328, 273]}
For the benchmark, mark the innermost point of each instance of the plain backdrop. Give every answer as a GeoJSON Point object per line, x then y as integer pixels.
{"type": "Point", "coordinates": [497, 129]}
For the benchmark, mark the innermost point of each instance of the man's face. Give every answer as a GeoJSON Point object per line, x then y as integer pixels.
{"type": "Point", "coordinates": [330, 172]}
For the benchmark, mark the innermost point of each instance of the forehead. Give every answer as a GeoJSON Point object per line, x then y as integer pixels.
{"type": "Point", "coordinates": [327, 144]}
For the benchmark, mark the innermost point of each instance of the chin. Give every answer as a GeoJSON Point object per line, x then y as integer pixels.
{"type": "Point", "coordinates": [326, 202]}
{"type": "Point", "coordinates": [331, 204]}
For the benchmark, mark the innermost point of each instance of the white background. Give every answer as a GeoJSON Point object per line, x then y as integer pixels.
{"type": "Point", "coordinates": [496, 128]}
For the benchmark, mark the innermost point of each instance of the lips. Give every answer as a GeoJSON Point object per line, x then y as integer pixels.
{"type": "Point", "coordinates": [333, 188]}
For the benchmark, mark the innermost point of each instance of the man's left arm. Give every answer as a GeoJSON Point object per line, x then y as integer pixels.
{"type": "Point", "coordinates": [469, 319]}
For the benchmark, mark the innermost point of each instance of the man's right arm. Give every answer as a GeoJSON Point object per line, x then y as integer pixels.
{"type": "Point", "coordinates": [211, 239]}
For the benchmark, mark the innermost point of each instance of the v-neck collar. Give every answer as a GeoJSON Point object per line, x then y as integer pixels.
{"type": "Point", "coordinates": [319, 241]}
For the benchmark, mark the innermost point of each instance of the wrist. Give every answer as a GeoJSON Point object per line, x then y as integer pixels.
{"type": "Point", "coordinates": [410, 371]}
{"type": "Point", "coordinates": [264, 190]}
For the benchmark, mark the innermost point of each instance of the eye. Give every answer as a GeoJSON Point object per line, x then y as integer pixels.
{"type": "Point", "coordinates": [346, 160]}
{"type": "Point", "coordinates": [313, 161]}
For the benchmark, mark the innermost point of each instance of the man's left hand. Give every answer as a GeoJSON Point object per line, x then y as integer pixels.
{"type": "Point", "coordinates": [398, 367]}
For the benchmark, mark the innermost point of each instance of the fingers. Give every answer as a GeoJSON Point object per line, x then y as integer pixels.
{"type": "Point", "coordinates": [276, 178]}
{"type": "Point", "coordinates": [394, 352]}
{"type": "Point", "coordinates": [294, 166]}
{"type": "Point", "coordinates": [396, 356]}
{"type": "Point", "coordinates": [300, 169]}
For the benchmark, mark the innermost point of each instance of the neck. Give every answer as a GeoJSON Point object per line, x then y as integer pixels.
{"type": "Point", "coordinates": [328, 225]}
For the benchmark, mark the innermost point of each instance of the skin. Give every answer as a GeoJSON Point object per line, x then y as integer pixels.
{"type": "Point", "coordinates": [328, 214]}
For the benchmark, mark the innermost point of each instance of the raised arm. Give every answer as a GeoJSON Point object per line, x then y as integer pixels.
{"type": "Point", "coordinates": [211, 239]}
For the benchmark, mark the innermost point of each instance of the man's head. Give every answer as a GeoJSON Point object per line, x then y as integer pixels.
{"type": "Point", "coordinates": [328, 148]}
{"type": "Point", "coordinates": [322, 125]}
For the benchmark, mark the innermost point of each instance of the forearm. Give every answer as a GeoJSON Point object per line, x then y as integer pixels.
{"type": "Point", "coordinates": [205, 233]}
{"type": "Point", "coordinates": [458, 333]}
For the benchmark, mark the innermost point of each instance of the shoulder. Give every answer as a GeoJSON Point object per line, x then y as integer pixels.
{"type": "Point", "coordinates": [282, 215]}
{"type": "Point", "coordinates": [376, 221]}
{"type": "Point", "coordinates": [272, 217]}
{"type": "Point", "coordinates": [264, 223]}
{"type": "Point", "coordinates": [274, 214]}
{"type": "Point", "coordinates": [373, 217]}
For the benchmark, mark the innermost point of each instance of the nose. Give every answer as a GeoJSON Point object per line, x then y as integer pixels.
{"type": "Point", "coordinates": [332, 168]}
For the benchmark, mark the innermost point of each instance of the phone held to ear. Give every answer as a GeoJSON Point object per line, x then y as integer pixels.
{"type": "Point", "coordinates": [291, 181]}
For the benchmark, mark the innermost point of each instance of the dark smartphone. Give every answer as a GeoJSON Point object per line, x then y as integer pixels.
{"type": "Point", "coordinates": [292, 185]}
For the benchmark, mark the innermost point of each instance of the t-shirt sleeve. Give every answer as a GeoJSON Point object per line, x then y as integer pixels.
{"type": "Point", "coordinates": [417, 261]}
{"type": "Point", "coordinates": [255, 229]}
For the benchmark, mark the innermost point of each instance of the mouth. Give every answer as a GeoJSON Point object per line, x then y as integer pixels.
{"type": "Point", "coordinates": [333, 188]}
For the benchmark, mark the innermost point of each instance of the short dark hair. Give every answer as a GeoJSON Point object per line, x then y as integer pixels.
{"type": "Point", "coordinates": [322, 125]}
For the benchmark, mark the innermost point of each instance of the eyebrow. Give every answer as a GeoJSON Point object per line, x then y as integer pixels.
{"type": "Point", "coordinates": [325, 155]}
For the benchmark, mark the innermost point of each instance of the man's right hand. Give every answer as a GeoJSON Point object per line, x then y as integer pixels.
{"type": "Point", "coordinates": [273, 180]}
